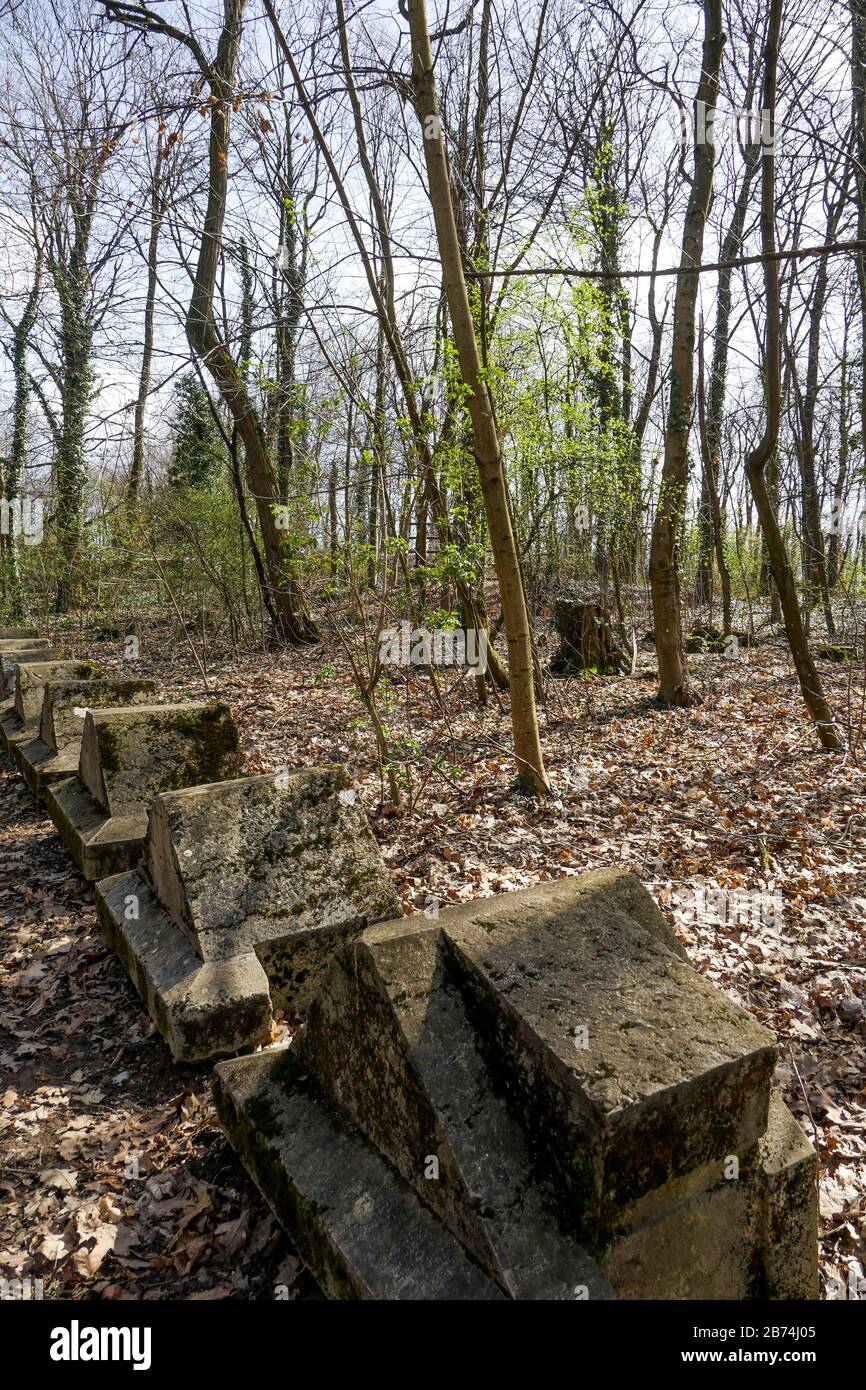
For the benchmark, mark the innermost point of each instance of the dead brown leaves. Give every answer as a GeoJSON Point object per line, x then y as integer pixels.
{"type": "Point", "coordinates": [732, 797]}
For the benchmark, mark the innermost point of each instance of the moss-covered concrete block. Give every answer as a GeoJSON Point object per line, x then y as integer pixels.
{"type": "Point", "coordinates": [54, 753]}
{"type": "Point", "coordinates": [608, 1039]}
{"type": "Point", "coordinates": [786, 1208]}
{"type": "Point", "coordinates": [263, 875]}
{"type": "Point", "coordinates": [11, 653]}
{"type": "Point", "coordinates": [66, 703]}
{"type": "Point", "coordinates": [22, 720]}
{"type": "Point", "coordinates": [270, 863]}
{"type": "Point", "coordinates": [18, 644]}
{"type": "Point", "coordinates": [128, 756]}
{"type": "Point", "coordinates": [741, 1229]}
{"type": "Point", "coordinates": [11, 659]}
{"type": "Point", "coordinates": [580, 1111]}
{"type": "Point", "coordinates": [17, 634]}
{"type": "Point", "coordinates": [203, 1009]}
{"type": "Point", "coordinates": [392, 1044]}
{"type": "Point", "coordinates": [354, 1222]}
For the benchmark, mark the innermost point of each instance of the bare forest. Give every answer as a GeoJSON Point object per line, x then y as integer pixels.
{"type": "Point", "coordinates": [469, 401]}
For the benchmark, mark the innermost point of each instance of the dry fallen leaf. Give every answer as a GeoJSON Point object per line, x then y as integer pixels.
{"type": "Point", "coordinates": [64, 1179]}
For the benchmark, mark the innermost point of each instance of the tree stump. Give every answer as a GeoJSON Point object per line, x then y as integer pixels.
{"type": "Point", "coordinates": [586, 640]}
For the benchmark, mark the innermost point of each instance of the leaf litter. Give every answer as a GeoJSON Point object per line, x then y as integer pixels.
{"type": "Point", "coordinates": [117, 1181]}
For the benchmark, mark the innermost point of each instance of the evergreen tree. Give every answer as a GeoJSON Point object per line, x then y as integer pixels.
{"type": "Point", "coordinates": [198, 446]}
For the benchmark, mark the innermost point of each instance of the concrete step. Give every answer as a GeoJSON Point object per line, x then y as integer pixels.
{"type": "Point", "coordinates": [357, 1225]}
{"type": "Point", "coordinates": [390, 1041]}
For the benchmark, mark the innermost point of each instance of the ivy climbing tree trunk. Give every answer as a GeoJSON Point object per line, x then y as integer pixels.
{"type": "Point", "coordinates": [711, 498]}
{"type": "Point", "coordinates": [664, 546]}
{"type": "Point", "coordinates": [14, 473]}
{"type": "Point", "coordinates": [290, 308]}
{"type": "Point", "coordinates": [527, 743]}
{"type": "Point", "coordinates": [72, 283]}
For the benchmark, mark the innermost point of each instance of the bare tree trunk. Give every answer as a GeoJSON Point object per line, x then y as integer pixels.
{"type": "Point", "coordinates": [810, 681]}
{"type": "Point", "coordinates": [333, 525]}
{"type": "Point", "coordinates": [377, 460]}
{"type": "Point", "coordinates": [834, 549]}
{"type": "Point", "coordinates": [524, 717]}
{"type": "Point", "coordinates": [294, 621]}
{"type": "Point", "coordinates": [76, 337]}
{"type": "Point", "coordinates": [289, 314]}
{"type": "Point", "coordinates": [664, 557]}
{"type": "Point", "coordinates": [707, 524]}
{"type": "Point", "coordinates": [382, 292]}
{"type": "Point", "coordinates": [157, 213]}
{"type": "Point", "coordinates": [812, 538]}
{"type": "Point", "coordinates": [858, 96]}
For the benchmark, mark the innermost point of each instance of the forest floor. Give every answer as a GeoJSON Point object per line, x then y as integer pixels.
{"type": "Point", "coordinates": [116, 1180]}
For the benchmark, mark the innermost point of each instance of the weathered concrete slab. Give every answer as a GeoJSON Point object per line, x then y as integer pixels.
{"type": "Point", "coordinates": [491, 1062]}
{"type": "Point", "coordinates": [268, 875]}
{"type": "Point", "coordinates": [611, 1041]}
{"type": "Point", "coordinates": [354, 1222]}
{"type": "Point", "coordinates": [100, 844]}
{"type": "Point", "coordinates": [17, 644]}
{"type": "Point", "coordinates": [786, 1208]}
{"type": "Point", "coordinates": [16, 634]}
{"type": "Point", "coordinates": [127, 757]}
{"type": "Point", "coordinates": [11, 653]}
{"type": "Point", "coordinates": [203, 1009]}
{"type": "Point", "coordinates": [268, 860]}
{"type": "Point", "coordinates": [31, 678]}
{"type": "Point", "coordinates": [65, 706]}
{"type": "Point", "coordinates": [54, 753]}
{"type": "Point", "coordinates": [22, 719]}
{"type": "Point", "coordinates": [611, 1044]}
{"type": "Point", "coordinates": [18, 652]}
{"type": "Point", "coordinates": [418, 1085]}
{"type": "Point", "coordinates": [40, 764]}
{"type": "Point", "coordinates": [742, 1229]}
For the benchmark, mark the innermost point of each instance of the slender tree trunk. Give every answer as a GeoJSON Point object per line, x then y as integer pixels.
{"type": "Point", "coordinates": [810, 681]}
{"type": "Point", "coordinates": [664, 557]}
{"type": "Point", "coordinates": [157, 213]}
{"type": "Point", "coordinates": [76, 336]}
{"type": "Point", "coordinates": [15, 466]}
{"type": "Point", "coordinates": [612, 380]}
{"type": "Point", "coordinates": [834, 550]}
{"type": "Point", "coordinates": [289, 311]}
{"type": "Point", "coordinates": [641, 420]}
{"type": "Point", "coordinates": [377, 460]}
{"type": "Point", "coordinates": [527, 742]}
{"type": "Point", "coordinates": [712, 496]}
{"type": "Point", "coordinates": [294, 623]}
{"type": "Point", "coordinates": [715, 411]}
{"type": "Point", "coordinates": [333, 524]}
{"type": "Point", "coordinates": [858, 94]}
{"type": "Point", "coordinates": [814, 558]}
